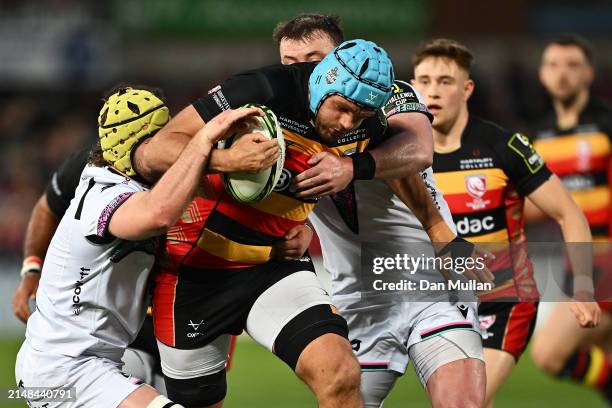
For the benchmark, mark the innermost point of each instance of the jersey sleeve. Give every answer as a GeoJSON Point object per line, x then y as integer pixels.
{"type": "Point", "coordinates": [64, 182]}
{"type": "Point", "coordinates": [405, 99]}
{"type": "Point", "coordinates": [521, 162]}
{"type": "Point", "coordinates": [248, 87]}
{"type": "Point", "coordinates": [98, 204]}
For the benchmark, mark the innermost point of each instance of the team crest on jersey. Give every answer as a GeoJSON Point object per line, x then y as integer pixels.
{"type": "Point", "coordinates": [476, 186]}
{"type": "Point", "coordinates": [331, 75]}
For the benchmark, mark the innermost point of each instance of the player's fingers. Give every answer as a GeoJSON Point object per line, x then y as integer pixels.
{"type": "Point", "coordinates": [484, 253]}
{"type": "Point", "coordinates": [592, 314]}
{"type": "Point", "coordinates": [229, 117]}
{"type": "Point", "coordinates": [270, 144]}
{"type": "Point", "coordinates": [578, 313]}
{"type": "Point", "coordinates": [21, 308]}
{"type": "Point", "coordinates": [314, 180]}
{"type": "Point", "coordinates": [486, 272]}
{"type": "Point", "coordinates": [471, 275]}
{"type": "Point", "coordinates": [236, 115]}
{"type": "Point", "coordinates": [316, 191]}
{"type": "Point", "coordinates": [255, 137]}
{"type": "Point", "coordinates": [305, 175]}
{"type": "Point", "coordinates": [272, 151]}
{"type": "Point", "coordinates": [597, 319]}
{"type": "Point", "coordinates": [317, 157]}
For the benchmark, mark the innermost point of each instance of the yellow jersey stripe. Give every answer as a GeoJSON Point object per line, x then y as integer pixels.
{"type": "Point", "coordinates": [566, 147]}
{"type": "Point", "coordinates": [222, 247]}
{"type": "Point", "coordinates": [285, 207]}
{"type": "Point", "coordinates": [453, 182]}
{"type": "Point", "coordinates": [593, 199]}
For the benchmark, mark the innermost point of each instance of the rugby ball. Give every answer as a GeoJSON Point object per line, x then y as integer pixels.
{"type": "Point", "coordinates": [248, 188]}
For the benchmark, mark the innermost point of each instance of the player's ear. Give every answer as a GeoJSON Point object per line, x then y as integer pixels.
{"type": "Point", "coordinates": [468, 89]}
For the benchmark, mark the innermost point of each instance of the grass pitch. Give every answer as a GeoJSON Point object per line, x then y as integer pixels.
{"type": "Point", "coordinates": [258, 379]}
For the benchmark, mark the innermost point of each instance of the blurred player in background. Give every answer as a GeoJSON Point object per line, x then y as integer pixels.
{"type": "Point", "coordinates": [575, 140]}
{"type": "Point", "coordinates": [485, 172]}
{"type": "Point", "coordinates": [366, 212]}
{"type": "Point", "coordinates": [93, 296]}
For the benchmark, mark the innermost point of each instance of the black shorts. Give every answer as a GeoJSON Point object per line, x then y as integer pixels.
{"type": "Point", "coordinates": [192, 307]}
{"type": "Point", "coordinates": [507, 326]}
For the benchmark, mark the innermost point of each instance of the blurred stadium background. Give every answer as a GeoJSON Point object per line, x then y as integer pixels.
{"type": "Point", "coordinates": [58, 56]}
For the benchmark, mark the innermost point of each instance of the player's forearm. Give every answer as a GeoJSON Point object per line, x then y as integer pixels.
{"type": "Point", "coordinates": [162, 150]}
{"type": "Point", "coordinates": [41, 227]}
{"type": "Point", "coordinates": [177, 187]}
{"type": "Point", "coordinates": [408, 151]}
{"type": "Point", "coordinates": [158, 154]}
{"type": "Point", "coordinates": [220, 161]}
{"type": "Point", "coordinates": [577, 235]}
{"type": "Point", "coordinates": [154, 212]}
{"type": "Point", "coordinates": [414, 193]}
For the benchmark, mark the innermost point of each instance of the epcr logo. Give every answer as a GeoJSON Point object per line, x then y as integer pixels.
{"type": "Point", "coordinates": [283, 181]}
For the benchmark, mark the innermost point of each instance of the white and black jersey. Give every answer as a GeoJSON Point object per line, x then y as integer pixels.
{"type": "Point", "coordinates": [369, 212]}
{"type": "Point", "coordinates": [92, 294]}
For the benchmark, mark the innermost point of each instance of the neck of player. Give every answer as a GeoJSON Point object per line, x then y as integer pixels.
{"type": "Point", "coordinates": [568, 111]}
{"type": "Point", "coordinates": [447, 136]}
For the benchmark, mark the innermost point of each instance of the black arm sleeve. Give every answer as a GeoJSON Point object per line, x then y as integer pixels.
{"type": "Point", "coordinates": [523, 165]}
{"type": "Point", "coordinates": [247, 87]}
{"type": "Point", "coordinates": [64, 182]}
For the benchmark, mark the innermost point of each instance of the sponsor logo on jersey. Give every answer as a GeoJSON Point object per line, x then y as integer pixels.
{"type": "Point", "coordinates": [432, 190]}
{"type": "Point", "coordinates": [214, 89]}
{"type": "Point", "coordinates": [195, 327]}
{"type": "Point", "coordinates": [521, 145]}
{"type": "Point", "coordinates": [76, 297]}
{"type": "Point", "coordinates": [294, 126]}
{"type": "Point", "coordinates": [476, 186]}
{"type": "Point", "coordinates": [356, 344]}
{"type": "Point", "coordinates": [467, 226]}
{"type": "Point", "coordinates": [284, 180]}
{"type": "Point", "coordinates": [350, 137]}
{"type": "Point", "coordinates": [219, 98]}
{"type": "Point", "coordinates": [476, 163]}
{"type": "Point", "coordinates": [463, 309]}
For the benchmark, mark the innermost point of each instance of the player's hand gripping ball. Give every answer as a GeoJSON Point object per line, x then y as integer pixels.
{"type": "Point", "coordinates": [246, 187]}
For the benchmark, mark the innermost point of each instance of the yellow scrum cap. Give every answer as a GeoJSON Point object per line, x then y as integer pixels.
{"type": "Point", "coordinates": [128, 116]}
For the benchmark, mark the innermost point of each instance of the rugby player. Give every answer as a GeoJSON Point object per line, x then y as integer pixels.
{"type": "Point", "coordinates": [251, 153]}
{"type": "Point", "coordinates": [380, 329]}
{"type": "Point", "coordinates": [485, 172]}
{"type": "Point", "coordinates": [92, 297]}
{"type": "Point", "coordinates": [575, 140]}
{"type": "Point", "coordinates": [218, 278]}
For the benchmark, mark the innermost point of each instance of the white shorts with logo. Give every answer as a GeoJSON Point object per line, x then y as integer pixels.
{"type": "Point", "coordinates": [382, 334]}
{"type": "Point", "coordinates": [96, 382]}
